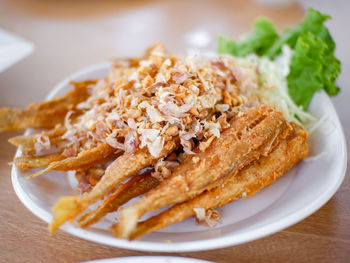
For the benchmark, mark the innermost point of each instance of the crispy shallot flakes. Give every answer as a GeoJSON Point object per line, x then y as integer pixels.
{"type": "Point", "coordinates": [146, 102]}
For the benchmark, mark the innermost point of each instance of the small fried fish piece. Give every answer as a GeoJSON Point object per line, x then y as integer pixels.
{"type": "Point", "coordinates": [89, 177]}
{"type": "Point", "coordinates": [252, 135]}
{"type": "Point", "coordinates": [84, 159]}
{"type": "Point", "coordinates": [136, 186]}
{"type": "Point", "coordinates": [128, 164]}
{"type": "Point", "coordinates": [27, 142]}
{"type": "Point", "coordinates": [46, 114]}
{"type": "Point", "coordinates": [246, 183]}
{"type": "Point", "coordinates": [30, 162]}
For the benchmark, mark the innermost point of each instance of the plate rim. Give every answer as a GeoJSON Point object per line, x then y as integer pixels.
{"type": "Point", "coordinates": [188, 246]}
{"type": "Point", "coordinates": [149, 259]}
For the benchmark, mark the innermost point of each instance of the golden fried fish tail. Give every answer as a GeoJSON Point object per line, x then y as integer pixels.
{"type": "Point", "coordinates": [251, 135]}
{"type": "Point", "coordinates": [27, 142]}
{"type": "Point", "coordinates": [30, 162]}
{"type": "Point", "coordinates": [85, 159]}
{"type": "Point", "coordinates": [46, 114]}
{"type": "Point", "coordinates": [136, 186]}
{"type": "Point", "coordinates": [246, 183]}
{"type": "Point", "coordinates": [66, 208]}
{"type": "Point", "coordinates": [14, 119]}
{"type": "Point", "coordinates": [122, 168]}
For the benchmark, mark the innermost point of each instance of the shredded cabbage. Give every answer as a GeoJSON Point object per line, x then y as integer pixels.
{"type": "Point", "coordinates": [273, 88]}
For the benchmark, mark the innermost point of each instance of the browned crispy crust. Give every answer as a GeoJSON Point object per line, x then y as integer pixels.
{"type": "Point", "coordinates": [136, 186]}
{"type": "Point", "coordinates": [127, 165]}
{"type": "Point", "coordinates": [46, 114]}
{"type": "Point", "coordinates": [83, 160]}
{"type": "Point", "coordinates": [261, 173]}
{"type": "Point", "coordinates": [251, 135]}
{"type": "Point", "coordinates": [27, 142]}
{"type": "Point", "coordinates": [30, 162]}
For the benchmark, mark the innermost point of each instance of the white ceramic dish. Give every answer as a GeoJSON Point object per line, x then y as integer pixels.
{"type": "Point", "coordinates": [293, 197]}
{"type": "Point", "coordinates": [149, 259]}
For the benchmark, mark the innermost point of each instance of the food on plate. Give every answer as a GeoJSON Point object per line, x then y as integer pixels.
{"type": "Point", "coordinates": [84, 159]}
{"type": "Point", "coordinates": [136, 186]}
{"type": "Point", "coordinates": [28, 143]}
{"type": "Point", "coordinates": [310, 50]}
{"type": "Point", "coordinates": [193, 133]}
{"type": "Point", "coordinates": [251, 135]}
{"type": "Point", "coordinates": [30, 162]}
{"type": "Point", "coordinates": [122, 168]}
{"type": "Point", "coordinates": [246, 183]}
{"type": "Point", "coordinates": [46, 114]}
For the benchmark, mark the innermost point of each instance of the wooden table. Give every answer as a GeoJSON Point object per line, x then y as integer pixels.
{"type": "Point", "coordinates": [69, 35]}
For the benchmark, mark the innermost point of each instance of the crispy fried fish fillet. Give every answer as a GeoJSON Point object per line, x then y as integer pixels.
{"type": "Point", "coordinates": [46, 114]}
{"type": "Point", "coordinates": [136, 186]}
{"type": "Point", "coordinates": [27, 142]}
{"type": "Point", "coordinates": [30, 162]}
{"type": "Point", "coordinates": [69, 207]}
{"type": "Point", "coordinates": [84, 159]}
{"type": "Point", "coordinates": [251, 179]}
{"type": "Point", "coordinates": [251, 135]}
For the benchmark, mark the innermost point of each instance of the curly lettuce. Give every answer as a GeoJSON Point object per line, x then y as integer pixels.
{"type": "Point", "coordinates": [313, 66]}
{"type": "Point", "coordinates": [259, 42]}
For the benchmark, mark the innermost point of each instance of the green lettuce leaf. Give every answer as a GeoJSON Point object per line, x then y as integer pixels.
{"type": "Point", "coordinates": [313, 23]}
{"type": "Point", "coordinates": [263, 36]}
{"type": "Point", "coordinates": [313, 65]}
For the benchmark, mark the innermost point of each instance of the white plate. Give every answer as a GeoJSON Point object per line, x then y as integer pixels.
{"type": "Point", "coordinates": [149, 259]}
{"type": "Point", "coordinates": [293, 197]}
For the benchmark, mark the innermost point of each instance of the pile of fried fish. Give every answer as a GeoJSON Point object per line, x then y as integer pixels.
{"type": "Point", "coordinates": [186, 133]}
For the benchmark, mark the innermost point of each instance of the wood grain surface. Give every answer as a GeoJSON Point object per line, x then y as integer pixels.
{"type": "Point", "coordinates": [71, 34]}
